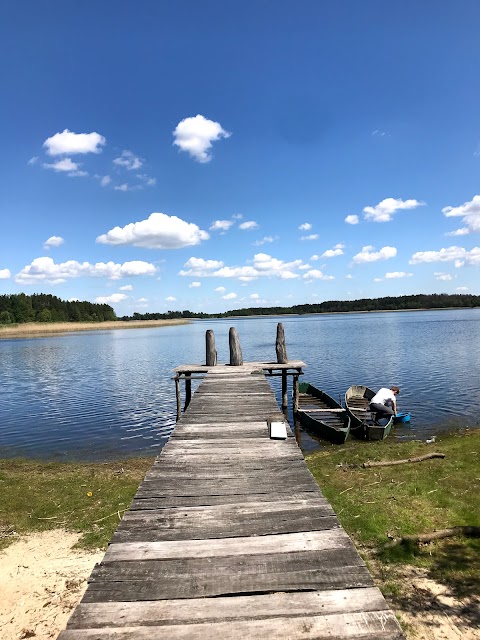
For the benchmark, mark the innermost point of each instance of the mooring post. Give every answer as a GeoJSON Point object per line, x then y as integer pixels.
{"type": "Point", "coordinates": [177, 393]}
{"type": "Point", "coordinates": [236, 358]}
{"type": "Point", "coordinates": [295, 393]}
{"type": "Point", "coordinates": [280, 346]}
{"type": "Point", "coordinates": [188, 389]}
{"type": "Point", "coordinates": [211, 352]}
{"type": "Point", "coordinates": [284, 389]}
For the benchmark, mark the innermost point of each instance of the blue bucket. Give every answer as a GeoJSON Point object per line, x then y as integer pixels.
{"type": "Point", "coordinates": [401, 416]}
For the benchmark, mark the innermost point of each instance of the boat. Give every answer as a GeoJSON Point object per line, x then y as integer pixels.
{"type": "Point", "coordinates": [363, 424]}
{"type": "Point", "coordinates": [321, 413]}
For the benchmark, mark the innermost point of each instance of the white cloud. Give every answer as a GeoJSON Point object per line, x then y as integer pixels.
{"type": "Point", "coordinates": [33, 160]}
{"type": "Point", "coordinates": [195, 136]}
{"type": "Point", "coordinates": [463, 231]}
{"type": "Point", "coordinates": [127, 287]}
{"type": "Point", "coordinates": [128, 160]}
{"type": "Point", "coordinates": [221, 225]}
{"type": "Point", "coordinates": [122, 187]}
{"type": "Point", "coordinates": [237, 216]}
{"type": "Point", "coordinates": [171, 299]}
{"type": "Point", "coordinates": [378, 279]}
{"type": "Point", "coordinates": [147, 180]}
{"type": "Point", "coordinates": [442, 276]}
{"type": "Point", "coordinates": [44, 269]}
{"type": "Point", "coordinates": [384, 210]}
{"type": "Point", "coordinates": [5, 274]}
{"type": "Point", "coordinates": [349, 276]}
{"type": "Point", "coordinates": [462, 288]}
{"type": "Point", "coordinates": [315, 274]}
{"type": "Point", "coordinates": [367, 254]}
{"type": "Point", "coordinates": [352, 219]}
{"type": "Point", "coordinates": [398, 274]}
{"type": "Point", "coordinates": [53, 241]}
{"type": "Point", "coordinates": [142, 300]}
{"type": "Point", "coordinates": [304, 267]}
{"type": "Point", "coordinates": [230, 296]}
{"type": "Point", "coordinates": [468, 211]}
{"type": "Point", "coordinates": [254, 296]}
{"type": "Point", "coordinates": [69, 142]}
{"type": "Point", "coordinates": [458, 255]}
{"type": "Point", "coordinates": [332, 253]}
{"type": "Point", "coordinates": [66, 165]}
{"type": "Point", "coordinates": [263, 265]}
{"type": "Point", "coordinates": [195, 285]}
{"type": "Point", "coordinates": [158, 231]}
{"type": "Point", "coordinates": [306, 226]}
{"type": "Point", "coordinates": [114, 298]}
{"type": "Point", "coordinates": [380, 133]}
{"type": "Point", "coordinates": [220, 289]}
{"type": "Point", "coordinates": [74, 299]}
{"type": "Point", "coordinates": [104, 180]}
{"type": "Point", "coordinates": [200, 267]}
{"type": "Point", "coordinates": [315, 257]}
{"type": "Point", "coordinates": [245, 226]}
{"type": "Point", "coordinates": [264, 240]}
{"type": "Point", "coordinates": [312, 236]}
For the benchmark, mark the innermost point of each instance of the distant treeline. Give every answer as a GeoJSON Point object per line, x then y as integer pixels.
{"type": "Point", "coordinates": [391, 303]}
{"type": "Point", "coordinates": [20, 308]}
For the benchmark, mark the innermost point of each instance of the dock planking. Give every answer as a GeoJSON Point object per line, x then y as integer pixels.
{"type": "Point", "coordinates": [229, 536]}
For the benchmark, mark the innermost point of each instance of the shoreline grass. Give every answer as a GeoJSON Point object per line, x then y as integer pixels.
{"type": "Point", "coordinates": [42, 329]}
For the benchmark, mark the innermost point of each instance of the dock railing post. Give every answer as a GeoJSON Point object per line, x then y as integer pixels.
{"type": "Point", "coordinates": [177, 394]}
{"type": "Point", "coordinates": [236, 358]}
{"type": "Point", "coordinates": [188, 389]}
{"type": "Point", "coordinates": [295, 393]}
{"type": "Point", "coordinates": [211, 352]}
{"type": "Point", "coordinates": [280, 346]}
{"type": "Point", "coordinates": [284, 390]}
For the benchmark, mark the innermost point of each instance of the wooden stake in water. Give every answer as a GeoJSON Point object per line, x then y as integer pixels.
{"type": "Point", "coordinates": [280, 346]}
{"type": "Point", "coordinates": [236, 358]}
{"type": "Point", "coordinates": [211, 352]}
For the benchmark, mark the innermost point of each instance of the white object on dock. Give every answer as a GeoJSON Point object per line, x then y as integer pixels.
{"type": "Point", "coordinates": [278, 430]}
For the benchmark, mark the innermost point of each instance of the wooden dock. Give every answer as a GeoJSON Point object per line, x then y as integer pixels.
{"type": "Point", "coordinates": [229, 537]}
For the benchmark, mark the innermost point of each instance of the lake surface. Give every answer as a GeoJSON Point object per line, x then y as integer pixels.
{"type": "Point", "coordinates": [105, 394]}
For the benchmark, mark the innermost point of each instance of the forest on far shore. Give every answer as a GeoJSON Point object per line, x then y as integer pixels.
{"type": "Point", "coordinates": [41, 307]}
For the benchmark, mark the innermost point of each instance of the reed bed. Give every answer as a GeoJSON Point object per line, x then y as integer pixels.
{"type": "Point", "coordinates": [37, 329]}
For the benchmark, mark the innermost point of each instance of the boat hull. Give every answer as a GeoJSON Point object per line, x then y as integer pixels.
{"type": "Point", "coordinates": [357, 401]}
{"type": "Point", "coordinates": [333, 426]}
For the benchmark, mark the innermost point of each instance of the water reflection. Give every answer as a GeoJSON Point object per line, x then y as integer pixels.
{"type": "Point", "coordinates": [102, 394]}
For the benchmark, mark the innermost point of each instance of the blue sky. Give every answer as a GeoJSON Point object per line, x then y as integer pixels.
{"type": "Point", "coordinates": [217, 155]}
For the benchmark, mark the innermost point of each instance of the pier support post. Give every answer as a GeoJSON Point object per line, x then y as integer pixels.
{"type": "Point", "coordinates": [188, 389]}
{"type": "Point", "coordinates": [211, 352]}
{"type": "Point", "coordinates": [177, 394]}
{"type": "Point", "coordinates": [236, 358]}
{"type": "Point", "coordinates": [280, 346]}
{"type": "Point", "coordinates": [284, 390]}
{"type": "Point", "coordinates": [295, 393]}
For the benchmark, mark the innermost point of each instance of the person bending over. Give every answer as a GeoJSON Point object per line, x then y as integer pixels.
{"type": "Point", "coordinates": [384, 403]}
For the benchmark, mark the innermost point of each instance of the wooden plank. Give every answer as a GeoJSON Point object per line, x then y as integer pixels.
{"type": "Point", "coordinates": [371, 625]}
{"type": "Point", "coordinates": [161, 501]}
{"type": "Point", "coordinates": [206, 610]}
{"type": "Point", "coordinates": [283, 543]}
{"type": "Point", "coordinates": [228, 486]}
{"type": "Point", "coordinates": [178, 585]}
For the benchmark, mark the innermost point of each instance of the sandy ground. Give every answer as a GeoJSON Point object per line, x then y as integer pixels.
{"type": "Point", "coordinates": [42, 579]}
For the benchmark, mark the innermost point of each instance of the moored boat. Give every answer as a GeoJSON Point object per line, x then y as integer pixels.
{"type": "Point", "coordinates": [321, 413]}
{"type": "Point", "coordinates": [363, 425]}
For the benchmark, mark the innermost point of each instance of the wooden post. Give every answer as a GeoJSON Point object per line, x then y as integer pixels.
{"type": "Point", "coordinates": [284, 390]}
{"type": "Point", "coordinates": [295, 393]}
{"type": "Point", "coordinates": [280, 347]}
{"type": "Point", "coordinates": [177, 393]}
{"type": "Point", "coordinates": [236, 358]}
{"type": "Point", "coordinates": [211, 352]}
{"type": "Point", "coordinates": [188, 389]}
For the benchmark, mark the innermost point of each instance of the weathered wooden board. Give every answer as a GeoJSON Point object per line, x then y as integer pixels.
{"type": "Point", "coordinates": [157, 500]}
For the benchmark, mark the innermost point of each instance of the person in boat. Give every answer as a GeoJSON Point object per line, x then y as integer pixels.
{"type": "Point", "coordinates": [384, 403]}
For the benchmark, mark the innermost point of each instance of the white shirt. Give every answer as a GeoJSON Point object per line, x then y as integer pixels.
{"type": "Point", "coordinates": [383, 396]}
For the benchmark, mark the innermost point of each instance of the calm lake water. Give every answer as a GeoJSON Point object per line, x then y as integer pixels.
{"type": "Point", "coordinates": [98, 395]}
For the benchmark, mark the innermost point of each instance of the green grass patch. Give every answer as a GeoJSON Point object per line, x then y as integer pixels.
{"type": "Point", "coordinates": [83, 497]}
{"type": "Point", "coordinates": [377, 503]}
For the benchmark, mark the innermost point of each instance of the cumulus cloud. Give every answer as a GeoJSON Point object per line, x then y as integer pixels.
{"type": "Point", "coordinates": [127, 287]}
{"type": "Point", "coordinates": [312, 236]}
{"type": "Point", "coordinates": [230, 296]}
{"type": "Point", "coordinates": [5, 274]}
{"type": "Point", "coordinates": [262, 265]}
{"type": "Point", "coordinates": [264, 240]}
{"type": "Point", "coordinates": [254, 296]}
{"type": "Point", "coordinates": [397, 274]}
{"type": "Point", "coordinates": [128, 160]}
{"type": "Point", "coordinates": [462, 288]}
{"type": "Point", "coordinates": [33, 160]}
{"type": "Point", "coordinates": [352, 219]}
{"type": "Point", "coordinates": [463, 231]}
{"type": "Point", "coordinates": [245, 226]}
{"type": "Point", "coordinates": [349, 276]}
{"type": "Point", "coordinates": [195, 285]}
{"type": "Point", "coordinates": [142, 300]}
{"type": "Point", "coordinates": [171, 299]}
{"type": "Point", "coordinates": [105, 180]}
{"type": "Point", "coordinates": [71, 143]}
{"type": "Point", "coordinates": [147, 180]}
{"type": "Point", "coordinates": [53, 241]}
{"type": "Point", "coordinates": [384, 210]}
{"type": "Point", "coordinates": [468, 211]}
{"type": "Point", "coordinates": [316, 274]}
{"type": "Point", "coordinates": [200, 267]}
{"type": "Point", "coordinates": [458, 255]}
{"type": "Point", "coordinates": [332, 253]}
{"type": "Point", "coordinates": [220, 289]}
{"type": "Point", "coordinates": [44, 269]}
{"type": "Point", "coordinates": [195, 136]}
{"type": "Point", "coordinates": [122, 187]}
{"type": "Point", "coordinates": [158, 231]}
{"type": "Point", "coordinates": [221, 225]}
{"type": "Point", "coordinates": [378, 279]}
{"type": "Point", "coordinates": [306, 226]}
{"type": "Point", "coordinates": [367, 254]}
{"type": "Point", "coordinates": [66, 165]}
{"type": "Point", "coordinates": [443, 276]}
{"type": "Point", "coordinates": [114, 298]}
